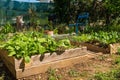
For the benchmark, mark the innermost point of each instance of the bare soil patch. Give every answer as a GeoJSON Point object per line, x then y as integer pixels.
{"type": "Point", "coordinates": [84, 70]}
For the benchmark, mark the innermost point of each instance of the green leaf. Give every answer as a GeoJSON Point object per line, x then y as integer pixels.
{"type": "Point", "coordinates": [10, 48]}
{"type": "Point", "coordinates": [17, 47]}
{"type": "Point", "coordinates": [41, 40]}
{"type": "Point", "coordinates": [64, 43]}
{"type": "Point", "coordinates": [12, 53]}
{"type": "Point", "coordinates": [27, 59]}
{"type": "Point", "coordinates": [23, 52]}
{"type": "Point", "coordinates": [42, 49]}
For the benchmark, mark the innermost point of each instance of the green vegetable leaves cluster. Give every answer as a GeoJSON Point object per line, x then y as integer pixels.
{"type": "Point", "coordinates": [106, 37]}
{"type": "Point", "coordinates": [24, 45]}
{"type": "Point", "coordinates": [101, 37]}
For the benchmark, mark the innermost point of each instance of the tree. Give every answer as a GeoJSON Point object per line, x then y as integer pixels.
{"type": "Point", "coordinates": [98, 9]}
{"type": "Point", "coordinates": [112, 9]}
{"type": "Point", "coordinates": [62, 9]}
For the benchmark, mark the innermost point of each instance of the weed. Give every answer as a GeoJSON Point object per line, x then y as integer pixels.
{"type": "Point", "coordinates": [119, 51]}
{"type": "Point", "coordinates": [102, 58]}
{"type": "Point", "coordinates": [84, 74]}
{"type": "Point", "coordinates": [101, 76]}
{"type": "Point", "coordinates": [73, 73]}
{"type": "Point", "coordinates": [53, 75]}
{"type": "Point", "coordinates": [117, 60]}
{"type": "Point", "coordinates": [51, 71]}
{"type": "Point", "coordinates": [112, 75]}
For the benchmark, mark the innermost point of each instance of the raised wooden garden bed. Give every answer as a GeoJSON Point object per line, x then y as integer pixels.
{"type": "Point", "coordinates": [112, 48]}
{"type": "Point", "coordinates": [95, 48]}
{"type": "Point", "coordinates": [41, 63]}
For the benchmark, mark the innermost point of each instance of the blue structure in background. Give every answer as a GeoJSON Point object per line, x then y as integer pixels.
{"type": "Point", "coordinates": [29, 1]}
{"type": "Point", "coordinates": [82, 21]}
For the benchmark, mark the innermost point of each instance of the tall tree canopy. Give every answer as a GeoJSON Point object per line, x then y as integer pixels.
{"type": "Point", "coordinates": [98, 9]}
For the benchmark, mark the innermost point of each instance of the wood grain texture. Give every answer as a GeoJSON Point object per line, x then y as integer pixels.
{"type": "Point", "coordinates": [41, 63]}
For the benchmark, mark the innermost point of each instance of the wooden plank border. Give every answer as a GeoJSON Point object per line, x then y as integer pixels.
{"type": "Point", "coordinates": [20, 69]}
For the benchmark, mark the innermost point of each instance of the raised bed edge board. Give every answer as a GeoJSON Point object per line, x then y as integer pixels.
{"type": "Point", "coordinates": [10, 62]}
{"type": "Point", "coordinates": [112, 48]}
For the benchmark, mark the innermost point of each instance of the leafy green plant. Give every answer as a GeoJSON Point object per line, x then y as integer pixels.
{"type": "Point", "coordinates": [7, 28]}
{"type": "Point", "coordinates": [24, 45]}
{"type": "Point", "coordinates": [82, 38]}
{"type": "Point", "coordinates": [102, 37]}
{"type": "Point", "coordinates": [50, 26]}
{"type": "Point", "coordinates": [55, 31]}
{"type": "Point", "coordinates": [64, 43]}
{"type": "Point", "coordinates": [106, 37]}
{"type": "Point", "coordinates": [2, 36]}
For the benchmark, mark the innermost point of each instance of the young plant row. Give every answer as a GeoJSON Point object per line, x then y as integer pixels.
{"type": "Point", "coordinates": [24, 45]}
{"type": "Point", "coordinates": [101, 37]}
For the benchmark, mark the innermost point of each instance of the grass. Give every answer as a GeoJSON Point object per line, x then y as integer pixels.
{"type": "Point", "coordinates": [52, 75]}
{"type": "Point", "coordinates": [113, 74]}
{"type": "Point", "coordinates": [73, 73]}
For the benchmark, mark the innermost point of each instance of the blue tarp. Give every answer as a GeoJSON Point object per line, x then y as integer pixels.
{"type": "Point", "coordinates": [28, 1]}
{"type": "Point", "coordinates": [34, 1]}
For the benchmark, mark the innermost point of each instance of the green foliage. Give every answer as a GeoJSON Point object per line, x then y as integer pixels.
{"type": "Point", "coordinates": [117, 60]}
{"type": "Point", "coordinates": [106, 37]}
{"type": "Point", "coordinates": [115, 26]}
{"type": "Point", "coordinates": [62, 9]}
{"type": "Point", "coordinates": [106, 10]}
{"type": "Point", "coordinates": [2, 36]}
{"type": "Point", "coordinates": [119, 50]}
{"type": "Point", "coordinates": [101, 37]}
{"type": "Point", "coordinates": [24, 45]}
{"type": "Point", "coordinates": [64, 43]}
{"type": "Point", "coordinates": [89, 29]}
{"type": "Point", "coordinates": [7, 28]}
{"type": "Point", "coordinates": [63, 28]}
{"type": "Point", "coordinates": [112, 6]}
{"type": "Point", "coordinates": [52, 75]}
{"type": "Point", "coordinates": [5, 37]}
{"type": "Point", "coordinates": [73, 73]}
{"type": "Point", "coordinates": [82, 38]}
{"type": "Point", "coordinates": [112, 75]}
{"type": "Point", "coordinates": [55, 31]}
{"type": "Point", "coordinates": [67, 9]}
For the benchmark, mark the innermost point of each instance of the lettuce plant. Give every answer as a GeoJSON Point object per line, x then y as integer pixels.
{"type": "Point", "coordinates": [24, 45]}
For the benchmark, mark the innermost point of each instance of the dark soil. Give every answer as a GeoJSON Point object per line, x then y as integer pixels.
{"type": "Point", "coordinates": [4, 72]}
